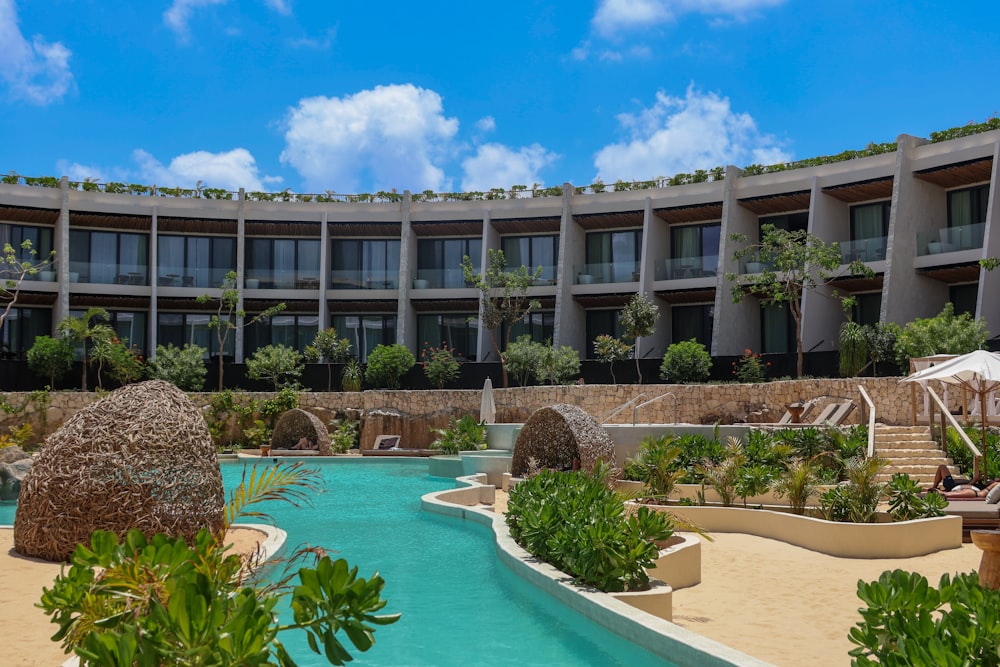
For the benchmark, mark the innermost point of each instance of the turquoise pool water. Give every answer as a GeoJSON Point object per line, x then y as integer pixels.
{"type": "Point", "coordinates": [459, 605]}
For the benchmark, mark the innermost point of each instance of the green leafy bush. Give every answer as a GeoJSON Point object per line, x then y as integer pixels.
{"type": "Point", "coordinates": [184, 367]}
{"type": "Point", "coordinates": [686, 362]}
{"type": "Point", "coordinates": [51, 357]}
{"type": "Point", "coordinates": [945, 333]}
{"type": "Point", "coordinates": [344, 436]}
{"type": "Point", "coordinates": [277, 364]}
{"type": "Point", "coordinates": [557, 365]}
{"type": "Point", "coordinates": [387, 364]}
{"type": "Point", "coordinates": [905, 502]}
{"type": "Point", "coordinates": [523, 356]}
{"type": "Point", "coordinates": [440, 364]}
{"type": "Point", "coordinates": [906, 621]}
{"type": "Point", "coordinates": [575, 522]}
{"type": "Point", "coordinates": [352, 376]}
{"type": "Point", "coordinates": [656, 464]}
{"type": "Point", "coordinates": [857, 501]}
{"type": "Point", "coordinates": [463, 434]}
{"type": "Point", "coordinates": [750, 368]}
{"type": "Point", "coordinates": [609, 350]}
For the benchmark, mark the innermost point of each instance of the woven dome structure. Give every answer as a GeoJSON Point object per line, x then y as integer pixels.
{"type": "Point", "coordinates": [296, 424]}
{"type": "Point", "coordinates": [140, 457]}
{"type": "Point", "coordinates": [556, 436]}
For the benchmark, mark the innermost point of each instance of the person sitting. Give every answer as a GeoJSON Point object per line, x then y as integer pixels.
{"type": "Point", "coordinates": [304, 443]}
{"type": "Point", "coordinates": [960, 488]}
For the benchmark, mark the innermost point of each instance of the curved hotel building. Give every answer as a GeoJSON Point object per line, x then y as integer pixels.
{"type": "Point", "coordinates": [388, 269]}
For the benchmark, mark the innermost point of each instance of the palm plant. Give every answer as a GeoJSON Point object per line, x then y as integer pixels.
{"type": "Point", "coordinates": [724, 476]}
{"type": "Point", "coordinates": [798, 484]}
{"type": "Point", "coordinates": [656, 465]}
{"type": "Point", "coordinates": [84, 331]}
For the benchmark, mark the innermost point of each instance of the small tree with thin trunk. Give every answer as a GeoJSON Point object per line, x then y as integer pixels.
{"type": "Point", "coordinates": [328, 349]}
{"type": "Point", "coordinates": [85, 331]}
{"type": "Point", "coordinates": [504, 299]}
{"type": "Point", "coordinates": [638, 319]}
{"type": "Point", "coordinates": [16, 265]}
{"type": "Point", "coordinates": [229, 316]}
{"type": "Point", "coordinates": [793, 263]}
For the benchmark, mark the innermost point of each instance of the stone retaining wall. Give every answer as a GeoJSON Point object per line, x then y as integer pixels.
{"type": "Point", "coordinates": [411, 413]}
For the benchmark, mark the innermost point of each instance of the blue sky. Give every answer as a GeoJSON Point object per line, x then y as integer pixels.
{"type": "Point", "coordinates": [361, 96]}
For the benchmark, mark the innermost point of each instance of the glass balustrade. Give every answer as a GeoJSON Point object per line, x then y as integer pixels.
{"type": "Point", "coordinates": [864, 250]}
{"type": "Point", "coordinates": [680, 268]}
{"type": "Point", "coordinates": [951, 239]}
{"type": "Point", "coordinates": [607, 272]}
{"type": "Point", "coordinates": [365, 279]}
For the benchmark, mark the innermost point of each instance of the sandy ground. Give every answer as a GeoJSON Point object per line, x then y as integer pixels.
{"type": "Point", "coordinates": [27, 631]}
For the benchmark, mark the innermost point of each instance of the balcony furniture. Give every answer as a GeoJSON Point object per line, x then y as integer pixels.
{"type": "Point", "coordinates": [135, 278]}
{"type": "Point", "coordinates": [187, 281]}
{"type": "Point", "coordinates": [420, 283]}
{"type": "Point", "coordinates": [585, 279]}
{"type": "Point", "coordinates": [253, 283]}
{"type": "Point", "coordinates": [47, 276]}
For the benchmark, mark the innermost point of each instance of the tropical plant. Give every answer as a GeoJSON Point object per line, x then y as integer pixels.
{"type": "Point", "coordinates": [181, 366]}
{"type": "Point", "coordinates": [229, 316]}
{"type": "Point", "coordinates": [352, 376]}
{"type": "Point", "coordinates": [794, 262]}
{"type": "Point", "coordinates": [857, 500]}
{"type": "Point", "coordinates": [326, 348]}
{"type": "Point", "coordinates": [387, 364]}
{"type": "Point", "coordinates": [124, 362]}
{"type": "Point", "coordinates": [750, 368]}
{"type": "Point", "coordinates": [754, 481]}
{"type": "Point", "coordinates": [881, 342]}
{"type": "Point", "coordinates": [724, 475]}
{"type": "Point", "coordinates": [343, 436]}
{"type": "Point", "coordinates": [85, 332]}
{"type": "Point", "coordinates": [638, 319]}
{"type": "Point", "coordinates": [159, 601]}
{"type": "Point", "coordinates": [504, 298]}
{"type": "Point", "coordinates": [557, 365]}
{"type": "Point", "coordinates": [440, 364]}
{"type": "Point", "coordinates": [945, 333]}
{"type": "Point", "coordinates": [686, 362]}
{"type": "Point", "coordinates": [463, 434]}
{"type": "Point", "coordinates": [656, 464]}
{"type": "Point", "coordinates": [906, 621]}
{"type": "Point", "coordinates": [522, 357]}
{"type": "Point", "coordinates": [51, 357]}
{"type": "Point", "coordinates": [854, 351]}
{"type": "Point", "coordinates": [906, 503]}
{"type": "Point", "coordinates": [278, 364]}
{"type": "Point", "coordinates": [609, 350]}
{"type": "Point", "coordinates": [575, 522]}
{"type": "Point", "coordinates": [798, 484]}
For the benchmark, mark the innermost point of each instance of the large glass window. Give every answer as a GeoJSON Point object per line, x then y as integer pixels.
{"type": "Point", "coordinates": [600, 322]}
{"type": "Point", "coordinates": [364, 264]}
{"type": "Point", "coordinates": [532, 252]}
{"type": "Point", "coordinates": [791, 222]}
{"type": "Point", "coordinates": [108, 257]}
{"type": "Point", "coordinates": [294, 331]}
{"type": "Point", "coordinates": [963, 298]}
{"type": "Point", "coordinates": [182, 329]}
{"type": "Point", "coordinates": [21, 328]}
{"type": "Point", "coordinates": [968, 206]}
{"type": "Point", "coordinates": [613, 257]}
{"type": "Point", "coordinates": [694, 250]}
{"type": "Point", "coordinates": [41, 244]}
{"type": "Point", "coordinates": [129, 327]}
{"type": "Point", "coordinates": [365, 331]}
{"type": "Point", "coordinates": [867, 308]}
{"type": "Point", "coordinates": [540, 325]}
{"type": "Point", "coordinates": [455, 329]}
{"type": "Point", "coordinates": [439, 261]}
{"type": "Point", "coordinates": [777, 332]}
{"type": "Point", "coordinates": [194, 261]}
{"type": "Point", "coordinates": [869, 230]}
{"type": "Point", "coordinates": [282, 263]}
{"type": "Point", "coordinates": [687, 322]}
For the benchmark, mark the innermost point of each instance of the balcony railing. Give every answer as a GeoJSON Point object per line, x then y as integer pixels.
{"type": "Point", "coordinates": [607, 272]}
{"type": "Point", "coordinates": [680, 268]}
{"type": "Point", "coordinates": [864, 250]}
{"type": "Point", "coordinates": [173, 276]}
{"type": "Point", "coordinates": [108, 274]}
{"type": "Point", "coordinates": [951, 239]}
{"type": "Point", "coordinates": [438, 278]}
{"type": "Point", "coordinates": [365, 279]}
{"type": "Point", "coordinates": [281, 279]}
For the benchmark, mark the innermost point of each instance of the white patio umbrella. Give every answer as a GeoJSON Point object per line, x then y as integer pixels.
{"type": "Point", "coordinates": [977, 371]}
{"type": "Point", "coordinates": [487, 408]}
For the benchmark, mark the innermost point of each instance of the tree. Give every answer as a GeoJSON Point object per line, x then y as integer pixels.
{"type": "Point", "coordinates": [278, 364]}
{"type": "Point", "coordinates": [51, 357]}
{"type": "Point", "coordinates": [387, 364]}
{"type": "Point", "coordinates": [945, 333]}
{"type": "Point", "coordinates": [504, 298]}
{"type": "Point", "coordinates": [610, 349]}
{"type": "Point", "coordinates": [328, 349]}
{"type": "Point", "coordinates": [84, 331]}
{"type": "Point", "coordinates": [638, 318]}
{"type": "Point", "coordinates": [793, 262]}
{"type": "Point", "coordinates": [183, 367]}
{"type": "Point", "coordinates": [124, 362]}
{"type": "Point", "coordinates": [16, 265]}
{"type": "Point", "coordinates": [229, 316]}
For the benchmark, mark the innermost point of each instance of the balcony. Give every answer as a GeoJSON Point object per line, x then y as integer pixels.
{"type": "Point", "coordinates": [951, 239]}
{"type": "Point", "coordinates": [364, 279]}
{"type": "Point", "coordinates": [863, 250]}
{"type": "Point", "coordinates": [281, 280]}
{"type": "Point", "coordinates": [681, 268]}
{"type": "Point", "coordinates": [607, 272]}
{"type": "Point", "coordinates": [439, 279]}
{"type": "Point", "coordinates": [171, 276]}
{"type": "Point", "coordinates": [108, 274]}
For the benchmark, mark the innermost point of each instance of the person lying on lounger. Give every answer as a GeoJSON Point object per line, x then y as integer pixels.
{"type": "Point", "coordinates": [959, 488]}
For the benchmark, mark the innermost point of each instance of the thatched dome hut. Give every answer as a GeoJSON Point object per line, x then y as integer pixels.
{"type": "Point", "coordinates": [296, 424]}
{"type": "Point", "coordinates": [140, 457]}
{"type": "Point", "coordinates": [557, 436]}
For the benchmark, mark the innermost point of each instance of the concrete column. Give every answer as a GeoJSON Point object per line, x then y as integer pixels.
{"type": "Point", "coordinates": [60, 243]}
{"type": "Point", "coordinates": [324, 273]}
{"type": "Point", "coordinates": [491, 241]}
{"type": "Point", "coordinates": [406, 316]}
{"type": "Point", "coordinates": [918, 208]}
{"type": "Point", "coordinates": [735, 326]}
{"type": "Point", "coordinates": [655, 247]}
{"type": "Point", "coordinates": [570, 318]}
{"type": "Point", "coordinates": [154, 271]}
{"type": "Point", "coordinates": [822, 313]}
{"type": "Point", "coordinates": [241, 239]}
{"type": "Point", "coordinates": [988, 299]}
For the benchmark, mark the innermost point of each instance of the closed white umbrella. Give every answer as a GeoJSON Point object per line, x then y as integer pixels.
{"type": "Point", "coordinates": [487, 408]}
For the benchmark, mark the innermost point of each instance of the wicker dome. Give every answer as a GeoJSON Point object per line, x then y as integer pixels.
{"type": "Point", "coordinates": [140, 457]}
{"type": "Point", "coordinates": [296, 424]}
{"type": "Point", "coordinates": [556, 436]}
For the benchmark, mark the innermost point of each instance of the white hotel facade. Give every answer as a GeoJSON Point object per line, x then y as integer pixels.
{"type": "Point", "coordinates": [388, 271]}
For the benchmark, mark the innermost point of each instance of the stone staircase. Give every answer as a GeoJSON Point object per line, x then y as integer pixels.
{"type": "Point", "coordinates": [911, 450]}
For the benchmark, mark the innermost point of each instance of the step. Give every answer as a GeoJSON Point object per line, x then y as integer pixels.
{"type": "Point", "coordinates": [914, 469]}
{"type": "Point", "coordinates": [903, 437]}
{"type": "Point", "coordinates": [908, 444]}
{"type": "Point", "coordinates": [894, 453]}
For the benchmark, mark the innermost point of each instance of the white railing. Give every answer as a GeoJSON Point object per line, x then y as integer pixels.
{"type": "Point", "coordinates": [870, 407]}
{"type": "Point", "coordinates": [623, 406]}
{"type": "Point", "coordinates": [635, 410]}
{"type": "Point", "coordinates": [976, 454]}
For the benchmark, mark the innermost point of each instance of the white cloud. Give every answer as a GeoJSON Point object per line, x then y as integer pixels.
{"type": "Point", "coordinates": [279, 6]}
{"type": "Point", "coordinates": [498, 166]}
{"type": "Point", "coordinates": [614, 16]}
{"type": "Point", "coordinates": [486, 124]}
{"type": "Point", "coordinates": [37, 71]}
{"type": "Point", "coordinates": [698, 131]}
{"type": "Point", "coordinates": [81, 172]}
{"type": "Point", "coordinates": [179, 13]}
{"type": "Point", "coordinates": [389, 137]}
{"type": "Point", "coordinates": [231, 170]}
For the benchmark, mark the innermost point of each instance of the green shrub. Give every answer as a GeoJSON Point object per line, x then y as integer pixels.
{"type": "Point", "coordinates": [51, 357]}
{"type": "Point", "coordinates": [575, 522]}
{"type": "Point", "coordinates": [905, 502]}
{"type": "Point", "coordinates": [344, 436]}
{"type": "Point", "coordinates": [750, 368]}
{"type": "Point", "coordinates": [440, 365]}
{"type": "Point", "coordinates": [184, 367]}
{"type": "Point", "coordinates": [277, 364]}
{"type": "Point", "coordinates": [609, 350]}
{"type": "Point", "coordinates": [387, 364]}
{"type": "Point", "coordinates": [906, 621]}
{"type": "Point", "coordinates": [686, 362]}
{"type": "Point", "coordinates": [352, 376]}
{"type": "Point", "coordinates": [656, 464]}
{"type": "Point", "coordinates": [464, 434]}
{"type": "Point", "coordinates": [857, 501]}
{"type": "Point", "coordinates": [558, 365]}
{"type": "Point", "coordinates": [945, 333]}
{"type": "Point", "coordinates": [523, 356]}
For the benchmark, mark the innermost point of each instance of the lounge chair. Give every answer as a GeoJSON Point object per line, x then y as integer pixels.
{"type": "Point", "coordinates": [835, 413]}
{"type": "Point", "coordinates": [388, 445]}
{"type": "Point", "coordinates": [976, 514]}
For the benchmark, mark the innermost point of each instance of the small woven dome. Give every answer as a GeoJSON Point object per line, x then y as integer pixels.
{"type": "Point", "coordinates": [140, 457]}
{"type": "Point", "coordinates": [296, 424]}
{"type": "Point", "coordinates": [557, 436]}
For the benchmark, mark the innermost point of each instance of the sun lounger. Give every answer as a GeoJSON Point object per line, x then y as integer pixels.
{"type": "Point", "coordinates": [975, 513]}
{"type": "Point", "coordinates": [388, 445]}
